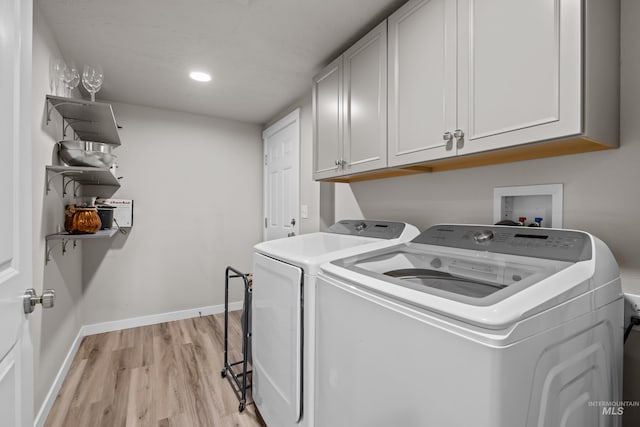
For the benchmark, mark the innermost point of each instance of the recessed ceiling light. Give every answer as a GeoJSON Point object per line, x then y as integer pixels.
{"type": "Point", "coordinates": [199, 76]}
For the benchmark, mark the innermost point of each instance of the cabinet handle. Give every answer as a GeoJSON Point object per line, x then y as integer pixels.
{"type": "Point", "coordinates": [337, 162]}
{"type": "Point", "coordinates": [448, 136]}
{"type": "Point", "coordinates": [459, 135]}
{"type": "Point", "coordinates": [341, 163]}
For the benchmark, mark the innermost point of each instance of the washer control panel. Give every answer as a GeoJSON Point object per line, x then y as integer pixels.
{"type": "Point", "coordinates": [367, 228]}
{"type": "Point", "coordinates": [563, 245]}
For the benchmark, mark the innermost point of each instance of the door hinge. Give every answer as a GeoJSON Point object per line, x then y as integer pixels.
{"type": "Point", "coordinates": [265, 222]}
{"type": "Point", "coordinates": [265, 160]}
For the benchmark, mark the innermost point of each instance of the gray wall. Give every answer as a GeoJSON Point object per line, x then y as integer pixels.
{"type": "Point", "coordinates": [196, 183]}
{"type": "Point", "coordinates": [52, 331]}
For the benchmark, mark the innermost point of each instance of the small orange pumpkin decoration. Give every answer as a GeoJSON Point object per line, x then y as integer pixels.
{"type": "Point", "coordinates": [83, 221]}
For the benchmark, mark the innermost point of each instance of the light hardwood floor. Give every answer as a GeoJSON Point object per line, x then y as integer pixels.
{"type": "Point", "coordinates": [161, 375]}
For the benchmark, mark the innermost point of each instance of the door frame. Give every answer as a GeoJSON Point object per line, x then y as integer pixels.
{"type": "Point", "coordinates": [291, 118]}
{"type": "Point", "coordinates": [16, 267]}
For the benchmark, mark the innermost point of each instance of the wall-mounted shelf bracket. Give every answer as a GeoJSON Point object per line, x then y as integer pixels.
{"type": "Point", "coordinates": [64, 238]}
{"type": "Point", "coordinates": [67, 176]}
{"type": "Point", "coordinates": [69, 123]}
{"type": "Point", "coordinates": [51, 107]}
{"type": "Point", "coordinates": [50, 245]}
{"type": "Point", "coordinates": [68, 181]}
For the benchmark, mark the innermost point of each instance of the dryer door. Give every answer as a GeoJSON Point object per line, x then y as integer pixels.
{"type": "Point", "coordinates": [277, 340]}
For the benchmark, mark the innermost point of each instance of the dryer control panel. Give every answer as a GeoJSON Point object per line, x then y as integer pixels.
{"type": "Point", "coordinates": [367, 228]}
{"type": "Point", "coordinates": [562, 245]}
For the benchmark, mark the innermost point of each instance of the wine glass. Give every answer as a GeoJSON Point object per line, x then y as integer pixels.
{"type": "Point", "coordinates": [92, 78]}
{"type": "Point", "coordinates": [56, 70]}
{"type": "Point", "coordinates": [71, 77]}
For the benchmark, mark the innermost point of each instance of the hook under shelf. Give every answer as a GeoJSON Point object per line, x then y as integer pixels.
{"type": "Point", "coordinates": [49, 248]}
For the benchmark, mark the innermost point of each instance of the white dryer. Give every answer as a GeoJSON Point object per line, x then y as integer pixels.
{"type": "Point", "coordinates": [284, 274]}
{"type": "Point", "coordinates": [480, 326]}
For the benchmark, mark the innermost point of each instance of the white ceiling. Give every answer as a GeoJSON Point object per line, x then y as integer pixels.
{"type": "Point", "coordinates": [261, 53]}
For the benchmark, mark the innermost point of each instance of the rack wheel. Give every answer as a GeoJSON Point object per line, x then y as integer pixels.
{"type": "Point", "coordinates": [241, 407]}
{"type": "Point", "coordinates": [223, 373]}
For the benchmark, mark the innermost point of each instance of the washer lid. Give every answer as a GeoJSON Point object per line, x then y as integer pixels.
{"type": "Point", "coordinates": [308, 251]}
{"type": "Point", "coordinates": [470, 277]}
{"type": "Point", "coordinates": [490, 277]}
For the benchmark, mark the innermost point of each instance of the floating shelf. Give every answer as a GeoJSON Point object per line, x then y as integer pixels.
{"type": "Point", "coordinates": [64, 238]}
{"type": "Point", "coordinates": [86, 175]}
{"type": "Point", "coordinates": [91, 121]}
{"type": "Point", "coordinates": [101, 234]}
{"type": "Point", "coordinates": [81, 175]}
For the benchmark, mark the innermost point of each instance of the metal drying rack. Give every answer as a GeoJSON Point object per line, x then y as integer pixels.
{"type": "Point", "coordinates": [240, 381]}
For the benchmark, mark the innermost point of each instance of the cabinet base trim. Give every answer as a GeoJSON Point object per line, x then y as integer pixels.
{"type": "Point", "coordinates": [518, 153]}
{"type": "Point", "coordinates": [575, 145]}
{"type": "Point", "coordinates": [377, 174]}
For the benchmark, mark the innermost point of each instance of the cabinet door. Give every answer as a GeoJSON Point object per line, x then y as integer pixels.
{"type": "Point", "coordinates": [327, 121]}
{"type": "Point", "coordinates": [422, 80]}
{"type": "Point", "coordinates": [365, 103]}
{"type": "Point", "coordinates": [519, 71]}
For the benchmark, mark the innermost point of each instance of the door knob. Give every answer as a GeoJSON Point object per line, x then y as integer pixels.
{"type": "Point", "coordinates": [293, 221]}
{"type": "Point", "coordinates": [31, 299]}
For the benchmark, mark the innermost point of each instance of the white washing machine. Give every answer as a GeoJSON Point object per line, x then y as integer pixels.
{"type": "Point", "coordinates": [480, 326]}
{"type": "Point", "coordinates": [284, 273]}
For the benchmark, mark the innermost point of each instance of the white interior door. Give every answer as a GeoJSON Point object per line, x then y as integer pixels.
{"type": "Point", "coordinates": [16, 358]}
{"type": "Point", "coordinates": [282, 177]}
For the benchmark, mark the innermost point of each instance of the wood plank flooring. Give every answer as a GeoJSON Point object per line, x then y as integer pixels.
{"type": "Point", "coordinates": [161, 375]}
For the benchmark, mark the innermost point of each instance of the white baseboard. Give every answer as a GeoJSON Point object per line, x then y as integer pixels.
{"type": "Point", "coordinates": [98, 328]}
{"type": "Point", "coordinates": [134, 322]}
{"type": "Point", "coordinates": [49, 400]}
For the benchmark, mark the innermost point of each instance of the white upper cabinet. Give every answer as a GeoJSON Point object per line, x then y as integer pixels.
{"type": "Point", "coordinates": [365, 103]}
{"type": "Point", "coordinates": [327, 120]}
{"type": "Point", "coordinates": [519, 72]}
{"type": "Point", "coordinates": [350, 109]}
{"type": "Point", "coordinates": [422, 81]}
{"type": "Point", "coordinates": [470, 77]}
{"type": "Point", "coordinates": [471, 83]}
